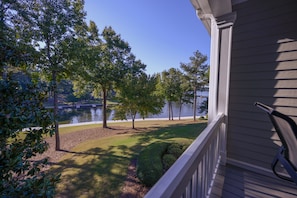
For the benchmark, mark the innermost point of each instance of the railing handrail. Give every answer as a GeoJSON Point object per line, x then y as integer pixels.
{"type": "Point", "coordinates": [175, 180]}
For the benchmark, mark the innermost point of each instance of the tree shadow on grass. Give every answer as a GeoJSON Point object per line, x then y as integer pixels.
{"type": "Point", "coordinates": [95, 151]}
{"type": "Point", "coordinates": [188, 131]}
{"type": "Point", "coordinates": [99, 172]}
{"type": "Point", "coordinates": [93, 173]}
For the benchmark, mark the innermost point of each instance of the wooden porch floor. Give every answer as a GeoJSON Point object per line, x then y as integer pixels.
{"type": "Point", "coordinates": [232, 182]}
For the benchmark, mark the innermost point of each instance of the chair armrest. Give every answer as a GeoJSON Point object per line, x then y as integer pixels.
{"type": "Point", "coordinates": [264, 107]}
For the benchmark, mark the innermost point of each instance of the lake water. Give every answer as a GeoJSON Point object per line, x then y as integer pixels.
{"type": "Point", "coordinates": [72, 115]}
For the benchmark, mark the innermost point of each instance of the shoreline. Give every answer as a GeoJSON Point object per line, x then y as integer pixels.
{"type": "Point", "coordinates": [129, 120]}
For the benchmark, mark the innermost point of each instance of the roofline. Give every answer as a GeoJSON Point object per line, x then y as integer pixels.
{"type": "Point", "coordinates": [202, 7]}
{"type": "Point", "coordinates": [208, 9]}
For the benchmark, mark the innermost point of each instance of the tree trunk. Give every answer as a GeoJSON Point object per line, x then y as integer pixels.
{"type": "Point", "coordinates": [104, 108]}
{"type": "Point", "coordinates": [195, 103]}
{"type": "Point", "coordinates": [180, 109]}
{"type": "Point", "coordinates": [171, 109]}
{"type": "Point", "coordinates": [56, 123]}
{"type": "Point", "coordinates": [133, 122]}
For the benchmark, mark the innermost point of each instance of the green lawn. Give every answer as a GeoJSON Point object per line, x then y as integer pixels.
{"type": "Point", "coordinates": [97, 168]}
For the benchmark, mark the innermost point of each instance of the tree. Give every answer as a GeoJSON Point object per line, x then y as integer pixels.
{"type": "Point", "coordinates": [65, 91]}
{"type": "Point", "coordinates": [113, 67]}
{"type": "Point", "coordinates": [184, 97]}
{"type": "Point", "coordinates": [56, 21]}
{"type": "Point", "coordinates": [171, 81]}
{"type": "Point", "coordinates": [105, 62]}
{"type": "Point", "coordinates": [137, 94]}
{"type": "Point", "coordinates": [21, 108]}
{"type": "Point", "coordinates": [16, 25]}
{"type": "Point", "coordinates": [194, 72]}
{"type": "Point", "coordinates": [204, 105]}
{"type": "Point", "coordinates": [85, 53]}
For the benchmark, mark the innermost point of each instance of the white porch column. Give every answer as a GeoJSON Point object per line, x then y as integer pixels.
{"type": "Point", "coordinates": [220, 57]}
{"type": "Point", "coordinates": [220, 60]}
{"type": "Point", "coordinates": [213, 78]}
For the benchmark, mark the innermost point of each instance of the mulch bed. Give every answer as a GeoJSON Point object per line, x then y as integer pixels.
{"type": "Point", "coordinates": [132, 186]}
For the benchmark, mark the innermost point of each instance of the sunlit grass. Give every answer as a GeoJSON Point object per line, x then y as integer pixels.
{"type": "Point", "coordinates": [97, 168]}
{"type": "Point", "coordinates": [144, 123]}
{"type": "Point", "coordinates": [70, 129]}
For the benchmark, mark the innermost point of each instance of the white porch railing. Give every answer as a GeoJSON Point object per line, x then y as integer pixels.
{"type": "Point", "coordinates": [191, 176]}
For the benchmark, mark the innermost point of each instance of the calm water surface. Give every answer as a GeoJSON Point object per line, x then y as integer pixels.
{"type": "Point", "coordinates": [73, 116]}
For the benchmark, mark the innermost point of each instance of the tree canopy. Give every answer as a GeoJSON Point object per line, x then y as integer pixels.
{"type": "Point", "coordinates": [16, 35]}
{"type": "Point", "coordinates": [194, 72]}
{"type": "Point", "coordinates": [56, 21]}
{"type": "Point", "coordinates": [171, 87]}
{"type": "Point", "coordinates": [29, 37]}
{"type": "Point", "coordinates": [137, 95]}
{"type": "Point", "coordinates": [104, 62]}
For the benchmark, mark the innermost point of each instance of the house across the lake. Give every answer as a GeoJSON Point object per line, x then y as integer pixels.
{"type": "Point", "coordinates": [253, 58]}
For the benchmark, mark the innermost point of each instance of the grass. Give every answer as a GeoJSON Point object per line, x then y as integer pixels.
{"type": "Point", "coordinates": [97, 168]}
{"type": "Point", "coordinates": [142, 124]}
{"type": "Point", "coordinates": [71, 129]}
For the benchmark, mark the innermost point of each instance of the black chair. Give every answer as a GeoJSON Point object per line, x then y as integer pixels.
{"type": "Point", "coordinates": [286, 129]}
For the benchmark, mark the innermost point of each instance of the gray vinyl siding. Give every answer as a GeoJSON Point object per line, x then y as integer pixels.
{"type": "Point", "coordinates": [263, 68]}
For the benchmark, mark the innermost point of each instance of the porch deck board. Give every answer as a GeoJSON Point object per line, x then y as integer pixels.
{"type": "Point", "coordinates": [232, 181]}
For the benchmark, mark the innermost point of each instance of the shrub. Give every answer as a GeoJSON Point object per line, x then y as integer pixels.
{"type": "Point", "coordinates": [155, 159]}
{"type": "Point", "coordinates": [175, 149]}
{"type": "Point", "coordinates": [168, 160]}
{"type": "Point", "coordinates": [150, 167]}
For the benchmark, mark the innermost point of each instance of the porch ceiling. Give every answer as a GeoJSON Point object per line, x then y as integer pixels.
{"type": "Point", "coordinates": [211, 8]}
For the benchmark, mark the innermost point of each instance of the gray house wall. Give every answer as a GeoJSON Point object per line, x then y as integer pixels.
{"type": "Point", "coordinates": [263, 68]}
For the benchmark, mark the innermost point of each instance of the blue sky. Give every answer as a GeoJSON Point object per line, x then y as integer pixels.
{"type": "Point", "coordinates": [161, 33]}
